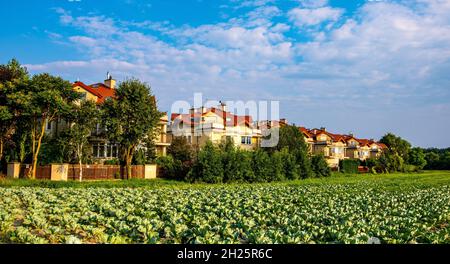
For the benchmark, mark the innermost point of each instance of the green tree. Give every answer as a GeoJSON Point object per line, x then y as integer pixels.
{"type": "Point", "coordinates": [180, 149]}
{"type": "Point", "coordinates": [320, 166]}
{"type": "Point", "coordinates": [131, 118]}
{"type": "Point", "coordinates": [432, 159]}
{"type": "Point", "coordinates": [416, 157]}
{"type": "Point", "coordinates": [397, 145]}
{"type": "Point", "coordinates": [280, 162]}
{"type": "Point", "coordinates": [208, 166]}
{"type": "Point", "coordinates": [82, 119]}
{"type": "Point", "coordinates": [291, 170]}
{"type": "Point", "coordinates": [237, 165]}
{"type": "Point", "coordinates": [390, 161]}
{"type": "Point", "coordinates": [293, 140]}
{"type": "Point", "coordinates": [13, 79]}
{"type": "Point", "coordinates": [51, 97]}
{"type": "Point", "coordinates": [262, 166]}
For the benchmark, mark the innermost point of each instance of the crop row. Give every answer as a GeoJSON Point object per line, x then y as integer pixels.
{"type": "Point", "coordinates": [236, 214]}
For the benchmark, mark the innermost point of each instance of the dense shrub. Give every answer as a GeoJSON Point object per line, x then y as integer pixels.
{"type": "Point", "coordinates": [320, 166]}
{"type": "Point", "coordinates": [289, 165]}
{"type": "Point", "coordinates": [226, 163]}
{"type": "Point", "coordinates": [349, 166]}
{"type": "Point", "coordinates": [208, 167]}
{"type": "Point", "coordinates": [171, 168]}
{"type": "Point", "coordinates": [304, 163]}
{"type": "Point", "coordinates": [237, 165]}
{"type": "Point", "coordinates": [390, 161]}
{"type": "Point", "coordinates": [408, 168]}
{"type": "Point", "coordinates": [437, 159]}
{"type": "Point", "coordinates": [180, 149]}
{"type": "Point", "coordinates": [262, 168]}
{"type": "Point", "coordinates": [112, 162]}
{"type": "Point", "coordinates": [416, 157]}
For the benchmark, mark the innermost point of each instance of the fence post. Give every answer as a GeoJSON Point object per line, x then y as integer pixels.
{"type": "Point", "coordinates": [59, 172]}
{"type": "Point", "coordinates": [13, 170]}
{"type": "Point", "coordinates": [150, 171]}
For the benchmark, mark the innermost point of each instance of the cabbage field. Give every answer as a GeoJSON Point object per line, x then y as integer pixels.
{"type": "Point", "coordinates": [355, 212]}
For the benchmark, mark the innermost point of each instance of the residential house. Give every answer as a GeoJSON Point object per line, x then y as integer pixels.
{"type": "Point", "coordinates": [102, 148]}
{"type": "Point", "coordinates": [336, 147]}
{"type": "Point", "coordinates": [217, 125]}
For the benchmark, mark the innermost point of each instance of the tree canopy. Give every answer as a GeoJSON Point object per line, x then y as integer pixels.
{"type": "Point", "coordinates": [131, 117]}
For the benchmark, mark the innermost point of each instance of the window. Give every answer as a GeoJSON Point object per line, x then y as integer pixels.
{"type": "Point", "coordinates": [95, 151]}
{"type": "Point", "coordinates": [108, 150]}
{"type": "Point", "coordinates": [101, 151]}
{"type": "Point", "coordinates": [246, 140]}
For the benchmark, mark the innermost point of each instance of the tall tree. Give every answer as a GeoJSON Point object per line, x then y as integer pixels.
{"type": "Point", "coordinates": [131, 117]}
{"type": "Point", "coordinates": [13, 78]}
{"type": "Point", "coordinates": [180, 149]}
{"type": "Point", "coordinates": [416, 157]}
{"type": "Point", "coordinates": [82, 120]}
{"type": "Point", "coordinates": [293, 140]}
{"type": "Point", "coordinates": [51, 97]}
{"type": "Point", "coordinates": [397, 145]}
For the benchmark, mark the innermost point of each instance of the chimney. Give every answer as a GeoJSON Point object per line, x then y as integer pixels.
{"type": "Point", "coordinates": [323, 128]}
{"type": "Point", "coordinates": [203, 109]}
{"type": "Point", "coordinates": [283, 121]}
{"type": "Point", "coordinates": [110, 82]}
{"type": "Point", "coordinates": [223, 106]}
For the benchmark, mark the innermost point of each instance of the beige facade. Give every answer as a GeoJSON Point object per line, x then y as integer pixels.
{"type": "Point", "coordinates": [215, 125]}
{"type": "Point", "coordinates": [336, 147]}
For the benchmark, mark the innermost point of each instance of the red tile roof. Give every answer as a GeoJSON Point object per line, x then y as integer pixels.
{"type": "Point", "coordinates": [313, 133]}
{"type": "Point", "coordinates": [228, 118]}
{"type": "Point", "coordinates": [101, 91]}
{"type": "Point", "coordinates": [87, 88]}
{"type": "Point", "coordinates": [104, 91]}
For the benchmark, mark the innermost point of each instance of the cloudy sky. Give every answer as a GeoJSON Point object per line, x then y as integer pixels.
{"type": "Point", "coordinates": [367, 67]}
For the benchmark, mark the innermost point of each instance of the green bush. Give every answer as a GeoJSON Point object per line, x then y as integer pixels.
{"type": "Point", "coordinates": [290, 168]}
{"type": "Point", "coordinates": [416, 157]}
{"type": "Point", "coordinates": [320, 166]}
{"type": "Point", "coordinates": [390, 161]}
{"type": "Point", "coordinates": [304, 163]}
{"type": "Point", "coordinates": [277, 163]}
{"type": "Point", "coordinates": [349, 166]}
{"type": "Point", "coordinates": [262, 167]}
{"type": "Point", "coordinates": [208, 166]}
{"type": "Point", "coordinates": [237, 165]}
{"type": "Point", "coordinates": [112, 162]}
{"type": "Point", "coordinates": [171, 168]}
{"type": "Point", "coordinates": [408, 168]}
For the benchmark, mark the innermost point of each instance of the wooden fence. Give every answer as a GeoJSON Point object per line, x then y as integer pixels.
{"type": "Point", "coordinates": [42, 172]}
{"type": "Point", "coordinates": [90, 172]}
{"type": "Point", "coordinates": [104, 172]}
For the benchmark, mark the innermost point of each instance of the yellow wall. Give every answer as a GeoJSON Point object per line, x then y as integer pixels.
{"type": "Point", "coordinates": [89, 96]}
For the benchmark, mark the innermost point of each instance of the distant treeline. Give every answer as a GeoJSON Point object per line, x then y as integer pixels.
{"type": "Point", "coordinates": [437, 159]}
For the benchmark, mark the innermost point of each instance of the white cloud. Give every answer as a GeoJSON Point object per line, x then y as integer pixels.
{"type": "Point", "coordinates": [311, 17]}
{"type": "Point", "coordinates": [313, 3]}
{"type": "Point", "coordinates": [388, 57]}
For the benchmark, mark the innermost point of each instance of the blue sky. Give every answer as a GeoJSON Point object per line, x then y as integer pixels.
{"type": "Point", "coordinates": [367, 67]}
